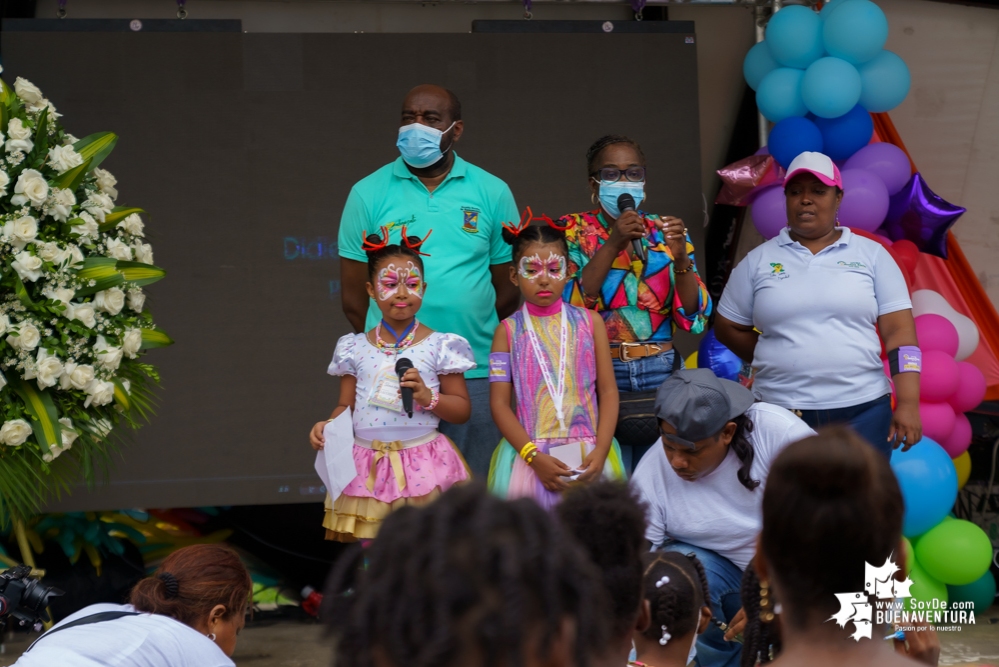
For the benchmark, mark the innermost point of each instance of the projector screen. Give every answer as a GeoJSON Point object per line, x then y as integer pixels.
{"type": "Point", "coordinates": [243, 147]}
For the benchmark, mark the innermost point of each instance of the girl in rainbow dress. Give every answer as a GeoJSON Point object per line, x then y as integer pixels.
{"type": "Point", "coordinates": [400, 460]}
{"type": "Point", "coordinates": [552, 361]}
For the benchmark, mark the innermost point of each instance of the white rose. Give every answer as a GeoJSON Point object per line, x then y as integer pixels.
{"type": "Point", "coordinates": [4, 178]}
{"type": "Point", "coordinates": [61, 294]}
{"type": "Point", "coordinates": [106, 182]}
{"type": "Point", "coordinates": [51, 252]}
{"type": "Point", "coordinates": [14, 432]}
{"type": "Point", "coordinates": [76, 376]}
{"type": "Point", "coordinates": [18, 137]}
{"type": "Point", "coordinates": [48, 369]}
{"type": "Point", "coordinates": [144, 253]}
{"type": "Point", "coordinates": [68, 139]}
{"type": "Point", "coordinates": [132, 224]}
{"type": "Point", "coordinates": [64, 158]}
{"type": "Point", "coordinates": [61, 204]}
{"type": "Point", "coordinates": [4, 324]}
{"type": "Point", "coordinates": [53, 114]}
{"type": "Point", "coordinates": [108, 356]}
{"type": "Point", "coordinates": [3, 381]}
{"type": "Point", "coordinates": [99, 393]}
{"type": "Point", "coordinates": [21, 232]}
{"type": "Point", "coordinates": [69, 435]}
{"type": "Point", "coordinates": [101, 428]}
{"type": "Point", "coordinates": [111, 300]}
{"type": "Point", "coordinates": [136, 299]}
{"type": "Point", "coordinates": [27, 266]}
{"type": "Point", "coordinates": [99, 204]}
{"type": "Point", "coordinates": [119, 250]}
{"type": "Point", "coordinates": [131, 342]}
{"type": "Point", "coordinates": [26, 337]}
{"type": "Point", "coordinates": [89, 228]}
{"type": "Point", "coordinates": [27, 91]}
{"type": "Point", "coordinates": [74, 254]}
{"type": "Point", "coordinates": [82, 312]}
{"type": "Point", "coordinates": [30, 187]}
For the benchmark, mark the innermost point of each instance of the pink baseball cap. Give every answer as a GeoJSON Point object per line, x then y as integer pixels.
{"type": "Point", "coordinates": [817, 164]}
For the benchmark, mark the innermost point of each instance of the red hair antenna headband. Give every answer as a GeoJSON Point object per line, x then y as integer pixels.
{"type": "Point", "coordinates": [372, 246]}
{"type": "Point", "coordinates": [525, 220]}
{"type": "Point", "coordinates": [415, 247]}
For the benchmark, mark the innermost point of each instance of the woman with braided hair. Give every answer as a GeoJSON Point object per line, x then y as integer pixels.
{"type": "Point", "coordinates": [469, 580]}
{"type": "Point", "coordinates": [186, 614]}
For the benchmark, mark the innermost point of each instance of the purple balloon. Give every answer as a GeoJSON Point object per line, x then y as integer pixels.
{"type": "Point", "coordinates": [769, 211]}
{"type": "Point", "coordinates": [865, 200]}
{"type": "Point", "coordinates": [762, 150]}
{"type": "Point", "coordinates": [888, 161]}
{"type": "Point", "coordinates": [921, 216]}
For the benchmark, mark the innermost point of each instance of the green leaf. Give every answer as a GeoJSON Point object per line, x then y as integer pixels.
{"type": "Point", "coordinates": [117, 214]}
{"type": "Point", "coordinates": [120, 395]}
{"type": "Point", "coordinates": [44, 416]}
{"type": "Point", "coordinates": [155, 338]}
{"type": "Point", "coordinates": [22, 291]}
{"type": "Point", "coordinates": [6, 92]}
{"type": "Point", "coordinates": [139, 273]}
{"type": "Point", "coordinates": [96, 147]}
{"type": "Point", "coordinates": [102, 270]}
{"type": "Point", "coordinates": [70, 180]}
{"type": "Point", "coordinates": [4, 114]}
{"type": "Point", "coordinates": [37, 154]}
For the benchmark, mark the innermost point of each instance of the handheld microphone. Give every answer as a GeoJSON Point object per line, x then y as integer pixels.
{"type": "Point", "coordinates": [627, 203]}
{"type": "Point", "coordinates": [401, 366]}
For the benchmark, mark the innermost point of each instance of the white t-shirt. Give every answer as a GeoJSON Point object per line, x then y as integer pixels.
{"type": "Point", "coordinates": [147, 640]}
{"type": "Point", "coordinates": [819, 348]}
{"type": "Point", "coordinates": [716, 512]}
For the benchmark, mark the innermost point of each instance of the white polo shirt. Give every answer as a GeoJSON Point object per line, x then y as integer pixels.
{"type": "Point", "coordinates": [819, 348]}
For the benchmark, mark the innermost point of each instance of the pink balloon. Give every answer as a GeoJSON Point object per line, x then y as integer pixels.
{"type": "Point", "coordinates": [971, 387]}
{"type": "Point", "coordinates": [960, 437]}
{"type": "Point", "coordinates": [935, 332]}
{"type": "Point", "coordinates": [938, 420]}
{"type": "Point", "coordinates": [770, 211]}
{"type": "Point", "coordinates": [940, 377]}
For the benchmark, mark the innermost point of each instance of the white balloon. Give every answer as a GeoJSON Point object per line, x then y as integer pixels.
{"type": "Point", "coordinates": [967, 335]}
{"type": "Point", "coordinates": [927, 302]}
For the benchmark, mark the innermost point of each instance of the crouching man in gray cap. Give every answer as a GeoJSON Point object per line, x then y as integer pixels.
{"type": "Point", "coordinates": [704, 481]}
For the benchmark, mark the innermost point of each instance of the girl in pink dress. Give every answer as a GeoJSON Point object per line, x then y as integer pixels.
{"type": "Point", "coordinates": [400, 459]}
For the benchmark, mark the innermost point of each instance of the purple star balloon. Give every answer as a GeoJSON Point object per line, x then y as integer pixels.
{"type": "Point", "coordinates": [919, 215]}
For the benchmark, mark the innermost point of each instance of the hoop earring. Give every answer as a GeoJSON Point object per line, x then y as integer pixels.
{"type": "Point", "coordinates": [211, 635]}
{"type": "Point", "coordinates": [766, 610]}
{"type": "Point", "coordinates": [593, 198]}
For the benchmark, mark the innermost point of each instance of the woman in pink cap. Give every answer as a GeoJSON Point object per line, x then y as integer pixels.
{"type": "Point", "coordinates": [807, 309]}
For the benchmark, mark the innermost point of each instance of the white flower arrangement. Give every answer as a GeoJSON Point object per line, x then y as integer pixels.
{"type": "Point", "coordinates": [73, 321]}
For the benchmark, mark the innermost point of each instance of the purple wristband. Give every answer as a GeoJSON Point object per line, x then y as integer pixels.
{"type": "Point", "coordinates": [499, 367]}
{"type": "Point", "coordinates": [910, 359]}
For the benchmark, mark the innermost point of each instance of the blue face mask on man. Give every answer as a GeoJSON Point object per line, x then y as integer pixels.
{"type": "Point", "coordinates": [420, 145]}
{"type": "Point", "coordinates": [609, 193]}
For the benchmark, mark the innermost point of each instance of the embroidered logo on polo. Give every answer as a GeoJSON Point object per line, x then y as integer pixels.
{"type": "Point", "coordinates": [852, 265]}
{"type": "Point", "coordinates": [777, 270]}
{"type": "Point", "coordinates": [471, 221]}
{"type": "Point", "coordinates": [408, 222]}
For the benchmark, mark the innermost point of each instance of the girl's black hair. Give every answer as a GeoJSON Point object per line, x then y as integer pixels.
{"type": "Point", "coordinates": [535, 232]}
{"type": "Point", "coordinates": [377, 249]}
{"type": "Point", "coordinates": [467, 575]}
{"type": "Point", "coordinates": [603, 142]}
{"type": "Point", "coordinates": [677, 603]}
{"type": "Point", "coordinates": [831, 504]}
{"type": "Point", "coordinates": [759, 640]}
{"type": "Point", "coordinates": [744, 450]}
{"type": "Point", "coordinates": [609, 521]}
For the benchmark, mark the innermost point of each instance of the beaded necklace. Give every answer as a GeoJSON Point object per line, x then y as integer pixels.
{"type": "Point", "coordinates": [401, 342]}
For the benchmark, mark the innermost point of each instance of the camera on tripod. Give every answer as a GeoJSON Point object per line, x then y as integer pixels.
{"type": "Point", "coordinates": [24, 598]}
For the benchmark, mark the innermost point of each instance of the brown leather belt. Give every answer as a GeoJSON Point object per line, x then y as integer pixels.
{"type": "Point", "coordinates": [631, 351]}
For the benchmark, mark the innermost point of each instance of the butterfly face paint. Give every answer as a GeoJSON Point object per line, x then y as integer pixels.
{"type": "Point", "coordinates": [391, 278]}
{"type": "Point", "coordinates": [532, 267]}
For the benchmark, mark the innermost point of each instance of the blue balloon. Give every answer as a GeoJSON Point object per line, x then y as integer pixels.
{"type": "Point", "coordinates": [722, 361]}
{"type": "Point", "coordinates": [830, 87]}
{"type": "Point", "coordinates": [829, 6]}
{"type": "Point", "coordinates": [779, 94]}
{"type": "Point", "coordinates": [794, 35]}
{"type": "Point", "coordinates": [793, 136]}
{"type": "Point", "coordinates": [844, 136]}
{"type": "Point", "coordinates": [885, 82]}
{"type": "Point", "coordinates": [856, 31]}
{"type": "Point", "coordinates": [928, 480]}
{"type": "Point", "coordinates": [758, 64]}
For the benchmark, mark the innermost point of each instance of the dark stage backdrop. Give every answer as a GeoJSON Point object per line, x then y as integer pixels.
{"type": "Point", "coordinates": [243, 148]}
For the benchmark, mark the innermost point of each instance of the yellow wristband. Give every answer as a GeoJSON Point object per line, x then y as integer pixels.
{"type": "Point", "coordinates": [527, 449]}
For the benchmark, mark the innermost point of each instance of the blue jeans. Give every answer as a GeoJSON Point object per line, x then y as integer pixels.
{"type": "Point", "coordinates": [640, 375]}
{"type": "Point", "coordinates": [477, 438]}
{"type": "Point", "coordinates": [724, 584]}
{"type": "Point", "coordinates": [871, 420]}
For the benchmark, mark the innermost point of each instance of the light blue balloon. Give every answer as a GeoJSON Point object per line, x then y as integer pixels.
{"type": "Point", "coordinates": [856, 31]}
{"type": "Point", "coordinates": [885, 82]}
{"type": "Point", "coordinates": [830, 87]}
{"type": "Point", "coordinates": [829, 6]}
{"type": "Point", "coordinates": [779, 94]}
{"type": "Point", "coordinates": [928, 480]}
{"type": "Point", "coordinates": [758, 64]}
{"type": "Point", "coordinates": [794, 35]}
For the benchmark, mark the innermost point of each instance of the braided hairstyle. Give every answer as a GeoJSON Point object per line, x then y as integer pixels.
{"type": "Point", "coordinates": [759, 639]}
{"type": "Point", "coordinates": [534, 230]}
{"type": "Point", "coordinates": [677, 603]}
{"type": "Point", "coordinates": [603, 142]}
{"type": "Point", "coordinates": [468, 577]}
{"type": "Point", "coordinates": [608, 520]}
{"type": "Point", "coordinates": [744, 450]}
{"type": "Point", "coordinates": [377, 248]}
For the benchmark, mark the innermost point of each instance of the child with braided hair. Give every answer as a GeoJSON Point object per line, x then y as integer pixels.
{"type": "Point", "coordinates": [676, 588]}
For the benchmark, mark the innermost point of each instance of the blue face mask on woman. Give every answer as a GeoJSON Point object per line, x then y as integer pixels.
{"type": "Point", "coordinates": [609, 192]}
{"type": "Point", "coordinates": [420, 145]}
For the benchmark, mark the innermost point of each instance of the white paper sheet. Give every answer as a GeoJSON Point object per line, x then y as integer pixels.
{"type": "Point", "coordinates": [335, 461]}
{"type": "Point", "coordinates": [571, 454]}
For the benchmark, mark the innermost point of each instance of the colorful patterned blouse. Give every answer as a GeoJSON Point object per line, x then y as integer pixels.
{"type": "Point", "coordinates": [638, 303]}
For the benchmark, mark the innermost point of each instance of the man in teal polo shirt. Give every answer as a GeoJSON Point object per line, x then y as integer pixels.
{"type": "Point", "coordinates": [468, 276]}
